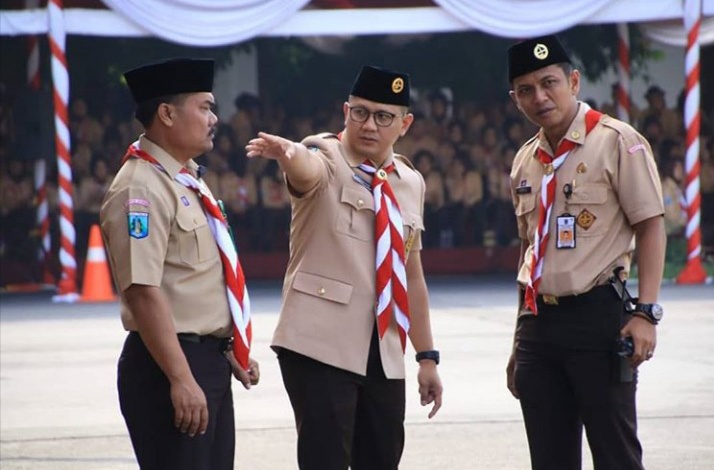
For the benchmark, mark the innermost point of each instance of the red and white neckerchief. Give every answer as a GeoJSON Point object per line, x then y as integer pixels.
{"type": "Point", "coordinates": [547, 196]}
{"type": "Point", "coordinates": [389, 238]}
{"type": "Point", "coordinates": [236, 289]}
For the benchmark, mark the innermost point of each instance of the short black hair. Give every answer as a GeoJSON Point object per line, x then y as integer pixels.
{"type": "Point", "coordinates": [146, 110]}
{"type": "Point", "coordinates": [567, 68]}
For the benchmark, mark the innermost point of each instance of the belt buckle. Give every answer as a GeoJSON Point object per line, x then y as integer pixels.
{"type": "Point", "coordinates": [550, 299]}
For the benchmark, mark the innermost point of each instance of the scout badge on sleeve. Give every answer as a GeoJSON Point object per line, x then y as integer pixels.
{"type": "Point", "coordinates": [138, 223]}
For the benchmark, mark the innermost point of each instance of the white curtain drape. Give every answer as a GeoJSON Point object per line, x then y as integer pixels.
{"type": "Point", "coordinates": [219, 22]}
{"type": "Point", "coordinates": [202, 23]}
{"type": "Point", "coordinates": [674, 34]}
{"type": "Point", "coordinates": [523, 18]}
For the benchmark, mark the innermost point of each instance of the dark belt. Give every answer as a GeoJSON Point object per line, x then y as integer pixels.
{"type": "Point", "coordinates": [223, 343]}
{"type": "Point", "coordinates": [548, 299]}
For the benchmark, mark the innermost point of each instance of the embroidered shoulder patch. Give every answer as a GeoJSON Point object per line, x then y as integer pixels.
{"type": "Point", "coordinates": [136, 202]}
{"type": "Point", "coordinates": [138, 223]}
{"type": "Point", "coordinates": [635, 148]}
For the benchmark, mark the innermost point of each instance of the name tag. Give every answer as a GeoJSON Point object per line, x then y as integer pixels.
{"type": "Point", "coordinates": [565, 236]}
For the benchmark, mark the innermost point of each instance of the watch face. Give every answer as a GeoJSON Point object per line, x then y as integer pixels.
{"type": "Point", "coordinates": [657, 311]}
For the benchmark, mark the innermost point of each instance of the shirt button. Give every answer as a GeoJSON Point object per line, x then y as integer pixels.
{"type": "Point", "coordinates": [575, 135]}
{"type": "Point", "coordinates": [360, 202]}
{"type": "Point", "coordinates": [321, 291]}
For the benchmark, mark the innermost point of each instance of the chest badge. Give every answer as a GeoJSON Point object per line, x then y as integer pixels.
{"type": "Point", "coordinates": [585, 219]}
{"type": "Point", "coordinates": [582, 168]}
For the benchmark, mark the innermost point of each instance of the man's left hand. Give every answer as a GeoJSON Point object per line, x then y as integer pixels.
{"type": "Point", "coordinates": [430, 388]}
{"type": "Point", "coordinates": [644, 337]}
{"type": "Point", "coordinates": [248, 377]}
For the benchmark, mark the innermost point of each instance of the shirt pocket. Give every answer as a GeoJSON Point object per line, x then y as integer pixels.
{"type": "Point", "coordinates": [526, 216]}
{"type": "Point", "coordinates": [525, 204]}
{"type": "Point", "coordinates": [588, 205]}
{"type": "Point", "coordinates": [195, 240]}
{"type": "Point", "coordinates": [355, 216]}
{"type": "Point", "coordinates": [323, 287]}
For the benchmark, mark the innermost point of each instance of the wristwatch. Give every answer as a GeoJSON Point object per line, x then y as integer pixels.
{"type": "Point", "coordinates": [652, 312]}
{"type": "Point", "coordinates": [433, 355]}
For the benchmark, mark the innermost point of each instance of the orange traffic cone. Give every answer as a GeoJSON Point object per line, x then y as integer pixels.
{"type": "Point", "coordinates": [97, 285]}
{"type": "Point", "coordinates": [693, 272]}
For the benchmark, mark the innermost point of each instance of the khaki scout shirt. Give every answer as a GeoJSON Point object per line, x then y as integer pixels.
{"type": "Point", "coordinates": [178, 254]}
{"type": "Point", "coordinates": [615, 185]}
{"type": "Point", "coordinates": [329, 294]}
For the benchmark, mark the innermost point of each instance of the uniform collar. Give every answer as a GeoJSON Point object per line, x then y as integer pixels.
{"type": "Point", "coordinates": [575, 133]}
{"type": "Point", "coordinates": [170, 164]}
{"type": "Point", "coordinates": [354, 161]}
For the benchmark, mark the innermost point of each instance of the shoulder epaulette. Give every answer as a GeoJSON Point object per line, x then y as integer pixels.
{"type": "Point", "coordinates": [618, 126]}
{"type": "Point", "coordinates": [327, 135]}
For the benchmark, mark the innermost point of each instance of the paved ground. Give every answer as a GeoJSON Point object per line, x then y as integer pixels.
{"type": "Point", "coordinates": [58, 404]}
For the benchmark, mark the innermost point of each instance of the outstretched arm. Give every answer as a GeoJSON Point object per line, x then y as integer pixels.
{"type": "Point", "coordinates": [302, 169]}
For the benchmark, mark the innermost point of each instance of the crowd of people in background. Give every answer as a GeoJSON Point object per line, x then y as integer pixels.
{"type": "Point", "coordinates": [464, 151]}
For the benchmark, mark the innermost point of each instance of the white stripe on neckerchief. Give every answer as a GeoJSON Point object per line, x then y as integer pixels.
{"type": "Point", "coordinates": [391, 281]}
{"type": "Point", "coordinates": [236, 290]}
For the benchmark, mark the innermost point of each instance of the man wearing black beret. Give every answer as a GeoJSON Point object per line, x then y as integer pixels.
{"type": "Point", "coordinates": [183, 296]}
{"type": "Point", "coordinates": [354, 289]}
{"type": "Point", "coordinates": [584, 188]}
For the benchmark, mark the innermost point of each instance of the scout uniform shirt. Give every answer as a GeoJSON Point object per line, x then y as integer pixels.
{"type": "Point", "coordinates": [329, 294]}
{"type": "Point", "coordinates": [613, 185]}
{"type": "Point", "coordinates": [157, 234]}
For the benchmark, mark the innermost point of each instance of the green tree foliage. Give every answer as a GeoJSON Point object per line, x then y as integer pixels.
{"type": "Point", "coordinates": [473, 64]}
{"type": "Point", "coordinates": [300, 77]}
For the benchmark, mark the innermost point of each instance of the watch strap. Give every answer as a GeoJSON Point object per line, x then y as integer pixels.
{"type": "Point", "coordinates": [431, 354]}
{"type": "Point", "coordinates": [645, 311]}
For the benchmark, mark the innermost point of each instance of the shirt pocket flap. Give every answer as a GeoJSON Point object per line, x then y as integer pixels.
{"type": "Point", "coordinates": [189, 221]}
{"type": "Point", "coordinates": [322, 287]}
{"type": "Point", "coordinates": [525, 204]}
{"type": "Point", "coordinates": [357, 198]}
{"type": "Point", "coordinates": [589, 194]}
{"type": "Point", "coordinates": [413, 220]}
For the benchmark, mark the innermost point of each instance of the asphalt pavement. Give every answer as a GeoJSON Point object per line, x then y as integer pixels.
{"type": "Point", "coordinates": [59, 409]}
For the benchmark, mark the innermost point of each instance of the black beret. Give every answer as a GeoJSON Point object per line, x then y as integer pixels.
{"type": "Point", "coordinates": [534, 54]}
{"type": "Point", "coordinates": [171, 77]}
{"type": "Point", "coordinates": [382, 86]}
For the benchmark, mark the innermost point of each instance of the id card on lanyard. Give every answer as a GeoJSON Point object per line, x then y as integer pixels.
{"type": "Point", "coordinates": [565, 231]}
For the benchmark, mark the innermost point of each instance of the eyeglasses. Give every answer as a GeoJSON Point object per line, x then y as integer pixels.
{"type": "Point", "coordinates": [381, 118]}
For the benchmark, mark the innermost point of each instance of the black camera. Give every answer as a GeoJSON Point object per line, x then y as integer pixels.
{"type": "Point", "coordinates": [625, 347]}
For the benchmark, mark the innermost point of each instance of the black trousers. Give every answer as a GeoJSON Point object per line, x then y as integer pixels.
{"type": "Point", "coordinates": [144, 397]}
{"type": "Point", "coordinates": [344, 419]}
{"type": "Point", "coordinates": [568, 375]}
